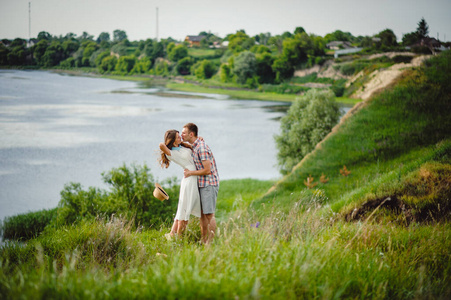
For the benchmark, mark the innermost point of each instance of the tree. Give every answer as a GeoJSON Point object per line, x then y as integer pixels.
{"type": "Point", "coordinates": [309, 119]}
{"type": "Point", "coordinates": [240, 41]}
{"type": "Point", "coordinates": [4, 51]}
{"type": "Point", "coordinates": [299, 30]}
{"type": "Point", "coordinates": [225, 73]}
{"type": "Point", "coordinates": [422, 29]}
{"type": "Point", "coordinates": [39, 50]}
{"type": "Point", "coordinates": [119, 35]}
{"type": "Point", "coordinates": [264, 69]}
{"type": "Point", "coordinates": [17, 56]}
{"type": "Point", "coordinates": [89, 47]}
{"type": "Point", "coordinates": [86, 36]}
{"type": "Point", "coordinates": [108, 64]}
{"type": "Point", "coordinates": [43, 35]}
{"type": "Point", "coordinates": [142, 66]}
{"type": "Point", "coordinates": [184, 65]}
{"type": "Point", "coordinates": [177, 53]}
{"type": "Point", "coordinates": [204, 69]}
{"type": "Point", "coordinates": [410, 39]}
{"type": "Point", "coordinates": [277, 41]}
{"type": "Point", "coordinates": [245, 66]}
{"type": "Point", "coordinates": [70, 46]}
{"type": "Point", "coordinates": [388, 38]}
{"type": "Point", "coordinates": [263, 38]}
{"type": "Point", "coordinates": [103, 37]}
{"type": "Point", "coordinates": [282, 68]}
{"type": "Point", "coordinates": [100, 56]}
{"type": "Point", "coordinates": [339, 35]}
{"type": "Point", "coordinates": [125, 64]}
{"type": "Point", "coordinates": [53, 54]}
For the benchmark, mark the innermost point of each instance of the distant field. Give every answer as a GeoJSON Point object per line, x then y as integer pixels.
{"type": "Point", "coordinates": [204, 53]}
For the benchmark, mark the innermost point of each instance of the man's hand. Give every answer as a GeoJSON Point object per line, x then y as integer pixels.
{"type": "Point", "coordinates": [187, 173]}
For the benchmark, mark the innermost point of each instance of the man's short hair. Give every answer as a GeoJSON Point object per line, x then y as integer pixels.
{"type": "Point", "coordinates": [191, 128]}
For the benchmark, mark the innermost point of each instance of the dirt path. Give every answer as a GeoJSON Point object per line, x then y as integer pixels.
{"type": "Point", "coordinates": [380, 79]}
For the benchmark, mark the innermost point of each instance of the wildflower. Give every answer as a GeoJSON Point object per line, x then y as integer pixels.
{"type": "Point", "coordinates": [255, 225]}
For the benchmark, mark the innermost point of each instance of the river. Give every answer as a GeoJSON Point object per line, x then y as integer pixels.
{"type": "Point", "coordinates": [56, 129]}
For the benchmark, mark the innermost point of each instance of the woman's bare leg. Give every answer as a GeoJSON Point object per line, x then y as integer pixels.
{"type": "Point", "coordinates": [181, 227]}
{"type": "Point", "coordinates": [174, 228]}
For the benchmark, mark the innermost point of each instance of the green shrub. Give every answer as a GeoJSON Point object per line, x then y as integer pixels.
{"type": "Point", "coordinates": [125, 64]}
{"type": "Point", "coordinates": [338, 87]}
{"type": "Point", "coordinates": [130, 195]}
{"type": "Point", "coordinates": [108, 64]}
{"type": "Point", "coordinates": [283, 88]}
{"type": "Point", "coordinates": [309, 119]}
{"type": "Point", "coordinates": [68, 63]}
{"type": "Point", "coordinates": [184, 65]}
{"type": "Point", "coordinates": [204, 69]}
{"type": "Point", "coordinates": [27, 226]}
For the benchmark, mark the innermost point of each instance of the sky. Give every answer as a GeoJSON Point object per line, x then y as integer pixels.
{"type": "Point", "coordinates": [179, 18]}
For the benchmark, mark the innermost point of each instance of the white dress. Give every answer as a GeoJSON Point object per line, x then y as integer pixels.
{"type": "Point", "coordinates": [189, 200]}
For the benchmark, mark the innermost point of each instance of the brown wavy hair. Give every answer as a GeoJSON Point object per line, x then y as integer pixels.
{"type": "Point", "coordinates": [169, 139]}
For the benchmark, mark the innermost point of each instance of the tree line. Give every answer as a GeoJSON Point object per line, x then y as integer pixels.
{"type": "Point", "coordinates": [261, 59]}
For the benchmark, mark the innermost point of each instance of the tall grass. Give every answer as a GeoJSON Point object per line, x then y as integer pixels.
{"type": "Point", "coordinates": [294, 242]}
{"type": "Point", "coordinates": [288, 255]}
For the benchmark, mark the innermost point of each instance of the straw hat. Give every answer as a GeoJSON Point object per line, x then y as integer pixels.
{"type": "Point", "coordinates": [159, 193]}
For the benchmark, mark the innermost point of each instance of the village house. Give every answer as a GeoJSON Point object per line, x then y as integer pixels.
{"type": "Point", "coordinates": [194, 40]}
{"type": "Point", "coordinates": [337, 45]}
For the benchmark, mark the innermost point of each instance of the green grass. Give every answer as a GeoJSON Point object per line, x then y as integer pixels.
{"type": "Point", "coordinates": [238, 94]}
{"type": "Point", "coordinates": [203, 53]}
{"type": "Point", "coordinates": [246, 94]}
{"type": "Point", "coordinates": [341, 239]}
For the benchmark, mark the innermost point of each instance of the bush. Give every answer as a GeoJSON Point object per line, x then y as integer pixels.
{"type": "Point", "coordinates": [108, 64]}
{"type": "Point", "coordinates": [204, 69]}
{"type": "Point", "coordinates": [245, 66]}
{"type": "Point", "coordinates": [184, 65]}
{"type": "Point", "coordinates": [27, 226]}
{"type": "Point", "coordinates": [338, 87]}
{"type": "Point", "coordinates": [68, 63]}
{"type": "Point", "coordinates": [283, 88]}
{"type": "Point", "coordinates": [309, 119]}
{"type": "Point", "coordinates": [130, 195]}
{"type": "Point", "coordinates": [125, 64]}
{"type": "Point", "coordinates": [161, 67]}
{"type": "Point", "coordinates": [142, 66]}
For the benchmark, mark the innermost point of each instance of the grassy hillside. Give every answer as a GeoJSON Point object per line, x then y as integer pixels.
{"type": "Point", "coordinates": [386, 138]}
{"type": "Point", "coordinates": [381, 232]}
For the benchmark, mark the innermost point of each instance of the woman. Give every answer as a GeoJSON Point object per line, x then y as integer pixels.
{"type": "Point", "coordinates": [189, 201]}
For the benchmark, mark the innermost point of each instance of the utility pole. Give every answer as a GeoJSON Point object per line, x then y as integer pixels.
{"type": "Point", "coordinates": [157, 24]}
{"type": "Point", "coordinates": [29, 23]}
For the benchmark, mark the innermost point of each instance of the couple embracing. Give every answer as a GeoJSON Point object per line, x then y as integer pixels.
{"type": "Point", "coordinates": [200, 184]}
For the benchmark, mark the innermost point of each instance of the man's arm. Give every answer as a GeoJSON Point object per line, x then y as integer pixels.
{"type": "Point", "coordinates": [205, 171]}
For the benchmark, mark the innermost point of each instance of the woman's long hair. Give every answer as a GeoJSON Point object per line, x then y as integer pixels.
{"type": "Point", "coordinates": [169, 139]}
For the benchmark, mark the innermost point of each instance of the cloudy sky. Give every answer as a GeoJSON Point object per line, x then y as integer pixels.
{"type": "Point", "coordinates": [178, 18]}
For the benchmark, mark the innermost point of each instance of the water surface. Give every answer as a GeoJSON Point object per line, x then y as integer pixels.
{"type": "Point", "coordinates": [56, 129]}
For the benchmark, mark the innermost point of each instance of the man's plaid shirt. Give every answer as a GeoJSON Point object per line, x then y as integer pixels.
{"type": "Point", "coordinates": [202, 152]}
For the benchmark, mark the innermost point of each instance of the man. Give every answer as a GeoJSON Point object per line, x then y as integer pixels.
{"type": "Point", "coordinates": [208, 180]}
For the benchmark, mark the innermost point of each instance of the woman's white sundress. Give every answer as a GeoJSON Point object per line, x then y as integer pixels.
{"type": "Point", "coordinates": [189, 200]}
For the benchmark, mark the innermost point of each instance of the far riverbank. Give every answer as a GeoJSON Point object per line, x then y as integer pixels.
{"type": "Point", "coordinates": [177, 84]}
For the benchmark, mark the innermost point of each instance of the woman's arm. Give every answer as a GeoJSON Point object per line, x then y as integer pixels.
{"type": "Point", "coordinates": [165, 149]}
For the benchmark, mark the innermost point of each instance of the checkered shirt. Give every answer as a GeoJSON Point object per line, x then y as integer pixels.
{"type": "Point", "coordinates": [202, 152]}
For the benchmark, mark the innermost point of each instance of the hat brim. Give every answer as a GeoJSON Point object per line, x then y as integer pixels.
{"type": "Point", "coordinates": [160, 193]}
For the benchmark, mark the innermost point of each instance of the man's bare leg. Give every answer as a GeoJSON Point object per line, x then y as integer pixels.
{"type": "Point", "coordinates": [203, 227]}
{"type": "Point", "coordinates": [209, 228]}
